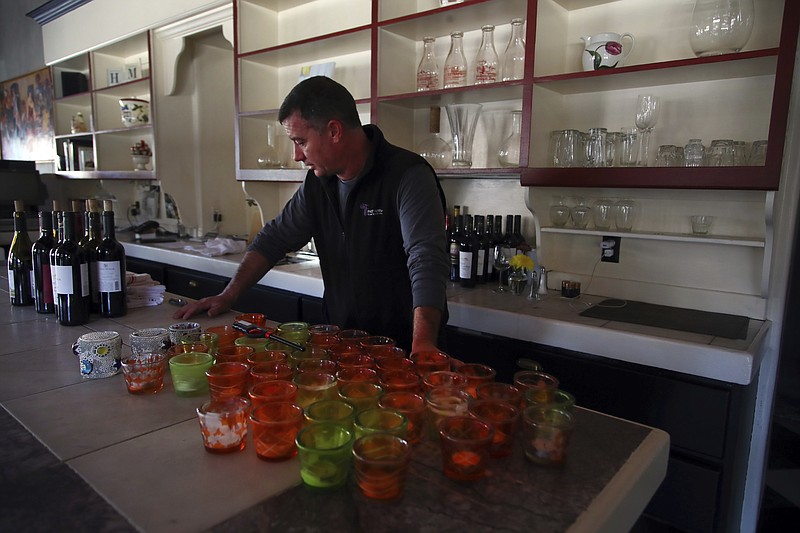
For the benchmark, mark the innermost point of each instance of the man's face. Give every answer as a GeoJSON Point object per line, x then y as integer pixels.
{"type": "Point", "coordinates": [313, 148]}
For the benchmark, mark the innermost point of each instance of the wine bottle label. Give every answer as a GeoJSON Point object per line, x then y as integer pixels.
{"type": "Point", "coordinates": [11, 290]}
{"type": "Point", "coordinates": [63, 284]}
{"type": "Point", "coordinates": [85, 283]}
{"type": "Point", "coordinates": [53, 284]}
{"type": "Point", "coordinates": [47, 284]}
{"type": "Point", "coordinates": [481, 260]}
{"type": "Point", "coordinates": [109, 276]}
{"type": "Point", "coordinates": [33, 282]}
{"type": "Point", "coordinates": [465, 265]}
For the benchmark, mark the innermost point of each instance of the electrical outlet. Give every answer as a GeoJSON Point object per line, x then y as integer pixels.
{"type": "Point", "coordinates": [609, 249]}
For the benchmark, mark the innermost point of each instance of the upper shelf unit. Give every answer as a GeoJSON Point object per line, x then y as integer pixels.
{"type": "Point", "coordinates": [91, 86]}
{"type": "Point", "coordinates": [375, 54]}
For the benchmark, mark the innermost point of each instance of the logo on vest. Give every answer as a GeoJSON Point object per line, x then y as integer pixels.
{"type": "Point", "coordinates": [370, 212]}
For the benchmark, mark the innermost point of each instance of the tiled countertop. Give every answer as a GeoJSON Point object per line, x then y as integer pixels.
{"type": "Point", "coordinates": [553, 321]}
{"type": "Point", "coordinates": [141, 465]}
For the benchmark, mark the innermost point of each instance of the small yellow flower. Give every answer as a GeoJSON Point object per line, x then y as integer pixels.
{"type": "Point", "coordinates": [522, 261]}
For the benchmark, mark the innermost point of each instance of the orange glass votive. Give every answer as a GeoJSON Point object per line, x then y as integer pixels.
{"type": "Point", "coordinates": [465, 447]}
{"type": "Point", "coordinates": [388, 351]}
{"type": "Point", "coordinates": [268, 356]}
{"type": "Point", "coordinates": [144, 372]}
{"type": "Point", "coordinates": [254, 318]}
{"type": "Point", "coordinates": [430, 361]}
{"type": "Point", "coordinates": [326, 335]}
{"type": "Point", "coordinates": [362, 395]}
{"type": "Point", "coordinates": [476, 374]}
{"type": "Point", "coordinates": [410, 404]}
{"type": "Point", "coordinates": [400, 381]}
{"type": "Point", "coordinates": [374, 343]}
{"type": "Point", "coordinates": [270, 372]}
{"type": "Point", "coordinates": [504, 419]}
{"type": "Point", "coordinates": [444, 378]}
{"type": "Point", "coordinates": [272, 392]}
{"type": "Point", "coordinates": [545, 384]}
{"type": "Point", "coordinates": [355, 361]}
{"type": "Point", "coordinates": [380, 462]}
{"type": "Point", "coordinates": [385, 364]}
{"type": "Point", "coordinates": [223, 424]}
{"type": "Point", "coordinates": [500, 391]}
{"type": "Point", "coordinates": [314, 386]}
{"type": "Point", "coordinates": [233, 354]}
{"type": "Point", "coordinates": [226, 334]}
{"type": "Point", "coordinates": [275, 428]}
{"type": "Point", "coordinates": [227, 380]}
{"type": "Point", "coordinates": [352, 337]}
{"type": "Point", "coordinates": [340, 350]}
{"type": "Point", "coordinates": [353, 375]}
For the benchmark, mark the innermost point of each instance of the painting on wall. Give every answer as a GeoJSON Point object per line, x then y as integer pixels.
{"type": "Point", "coordinates": [26, 117]}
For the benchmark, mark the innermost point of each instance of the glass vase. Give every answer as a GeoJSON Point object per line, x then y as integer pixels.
{"type": "Point", "coordinates": [513, 66]}
{"type": "Point", "coordinates": [720, 26]}
{"type": "Point", "coordinates": [486, 60]}
{"type": "Point", "coordinates": [428, 69]}
{"type": "Point", "coordinates": [463, 120]}
{"type": "Point", "coordinates": [517, 280]}
{"type": "Point", "coordinates": [433, 148]}
{"type": "Point", "coordinates": [455, 66]}
{"type": "Point", "coordinates": [509, 149]}
{"type": "Point", "coordinates": [269, 156]}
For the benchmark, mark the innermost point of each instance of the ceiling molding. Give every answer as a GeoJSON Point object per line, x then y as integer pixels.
{"type": "Point", "coordinates": [51, 10]}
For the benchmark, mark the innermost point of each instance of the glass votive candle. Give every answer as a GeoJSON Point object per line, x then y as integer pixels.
{"type": "Point", "coordinates": [203, 337]}
{"type": "Point", "coordinates": [385, 364]}
{"type": "Point", "coordinates": [465, 447]}
{"type": "Point", "coordinates": [381, 420]}
{"type": "Point", "coordinates": [352, 337]}
{"type": "Point", "coordinates": [362, 395]}
{"type": "Point", "coordinates": [177, 349]}
{"type": "Point", "coordinates": [400, 381]}
{"type": "Point", "coordinates": [359, 360]}
{"type": "Point", "coordinates": [257, 319]}
{"type": "Point", "coordinates": [701, 224]}
{"type": "Point", "coordinates": [188, 372]}
{"type": "Point", "coordinates": [476, 374]}
{"type": "Point", "coordinates": [444, 378]}
{"type": "Point", "coordinates": [324, 365]}
{"type": "Point", "coordinates": [258, 344]}
{"type": "Point", "coordinates": [336, 411]}
{"type": "Point", "coordinates": [443, 402]}
{"type": "Point", "coordinates": [387, 351]}
{"type": "Point", "coordinates": [430, 361]}
{"type": "Point", "coordinates": [547, 432]}
{"type": "Point", "coordinates": [503, 417]}
{"type": "Point", "coordinates": [313, 387]}
{"type": "Point", "coordinates": [144, 372]}
{"type": "Point", "coordinates": [296, 357]}
{"type": "Point", "coordinates": [223, 424]}
{"type": "Point", "coordinates": [374, 343]}
{"type": "Point", "coordinates": [324, 335]}
{"type": "Point", "coordinates": [277, 370]}
{"type": "Point", "coordinates": [325, 453]}
{"type": "Point", "coordinates": [272, 392]}
{"type": "Point", "coordinates": [544, 384]}
{"type": "Point", "coordinates": [354, 375]}
{"type": "Point", "coordinates": [275, 428]}
{"type": "Point", "coordinates": [227, 379]}
{"type": "Point", "coordinates": [233, 354]}
{"type": "Point", "coordinates": [226, 334]}
{"type": "Point", "coordinates": [177, 331]}
{"type": "Point", "coordinates": [410, 404]}
{"type": "Point", "coordinates": [560, 399]}
{"type": "Point", "coordinates": [500, 391]}
{"type": "Point", "coordinates": [341, 350]}
{"type": "Point", "coordinates": [380, 463]}
{"type": "Point", "coordinates": [268, 356]}
{"type": "Point", "coordinates": [293, 330]}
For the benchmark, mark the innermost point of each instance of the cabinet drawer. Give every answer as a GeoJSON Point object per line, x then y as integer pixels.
{"type": "Point", "coordinates": [193, 284]}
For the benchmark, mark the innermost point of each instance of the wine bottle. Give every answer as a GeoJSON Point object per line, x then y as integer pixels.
{"type": "Point", "coordinates": [482, 247]}
{"type": "Point", "coordinates": [509, 244]}
{"type": "Point", "coordinates": [90, 241]}
{"type": "Point", "coordinates": [58, 233]}
{"type": "Point", "coordinates": [455, 237]}
{"type": "Point", "coordinates": [42, 276]}
{"type": "Point", "coordinates": [80, 219]}
{"type": "Point", "coordinates": [72, 276]}
{"type": "Point", "coordinates": [468, 256]}
{"type": "Point", "coordinates": [111, 268]}
{"type": "Point", "coordinates": [490, 273]}
{"type": "Point", "coordinates": [519, 240]}
{"type": "Point", "coordinates": [20, 263]}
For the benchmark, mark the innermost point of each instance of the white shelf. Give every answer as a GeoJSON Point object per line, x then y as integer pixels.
{"type": "Point", "coordinates": [657, 236]}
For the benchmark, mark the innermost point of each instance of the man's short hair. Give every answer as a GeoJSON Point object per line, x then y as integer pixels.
{"type": "Point", "coordinates": [319, 99]}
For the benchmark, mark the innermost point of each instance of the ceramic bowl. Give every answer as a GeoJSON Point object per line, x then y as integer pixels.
{"type": "Point", "coordinates": [134, 111]}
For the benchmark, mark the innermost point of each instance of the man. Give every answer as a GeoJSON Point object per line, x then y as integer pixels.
{"type": "Point", "coordinates": [376, 213]}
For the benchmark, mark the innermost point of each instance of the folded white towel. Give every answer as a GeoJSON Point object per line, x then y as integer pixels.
{"type": "Point", "coordinates": [219, 246]}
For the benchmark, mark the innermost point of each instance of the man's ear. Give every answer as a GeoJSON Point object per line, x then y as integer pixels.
{"type": "Point", "coordinates": [335, 130]}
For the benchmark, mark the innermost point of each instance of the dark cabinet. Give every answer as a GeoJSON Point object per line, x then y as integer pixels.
{"type": "Point", "coordinates": [142, 266]}
{"type": "Point", "coordinates": [312, 310]}
{"type": "Point", "coordinates": [193, 284]}
{"type": "Point", "coordinates": [276, 304]}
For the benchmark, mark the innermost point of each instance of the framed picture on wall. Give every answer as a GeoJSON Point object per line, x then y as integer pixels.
{"type": "Point", "coordinates": [26, 118]}
{"type": "Point", "coordinates": [85, 158]}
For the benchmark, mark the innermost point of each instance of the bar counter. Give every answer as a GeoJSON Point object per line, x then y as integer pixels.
{"type": "Point", "coordinates": [84, 455]}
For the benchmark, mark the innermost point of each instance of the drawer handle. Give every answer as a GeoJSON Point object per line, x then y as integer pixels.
{"type": "Point", "coordinates": [193, 284]}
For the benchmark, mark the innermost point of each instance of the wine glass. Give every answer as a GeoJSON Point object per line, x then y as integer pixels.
{"type": "Point", "coordinates": [502, 258]}
{"type": "Point", "coordinates": [646, 117]}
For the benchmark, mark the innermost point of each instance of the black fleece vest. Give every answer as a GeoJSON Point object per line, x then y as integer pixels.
{"type": "Point", "coordinates": [364, 265]}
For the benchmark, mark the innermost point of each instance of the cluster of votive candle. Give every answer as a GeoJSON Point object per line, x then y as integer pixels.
{"type": "Point", "coordinates": [355, 401]}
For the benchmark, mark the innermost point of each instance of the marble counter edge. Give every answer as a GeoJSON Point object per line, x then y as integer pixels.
{"type": "Point", "coordinates": [694, 358]}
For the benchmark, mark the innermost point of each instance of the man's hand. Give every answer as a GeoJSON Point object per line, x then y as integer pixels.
{"type": "Point", "coordinates": [215, 305]}
{"type": "Point", "coordinates": [426, 329]}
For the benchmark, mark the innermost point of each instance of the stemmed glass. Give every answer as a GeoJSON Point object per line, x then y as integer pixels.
{"type": "Point", "coordinates": [646, 117]}
{"type": "Point", "coordinates": [502, 258]}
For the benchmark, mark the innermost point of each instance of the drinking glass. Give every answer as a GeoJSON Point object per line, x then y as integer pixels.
{"type": "Point", "coordinates": [646, 117]}
{"type": "Point", "coordinates": [502, 258]}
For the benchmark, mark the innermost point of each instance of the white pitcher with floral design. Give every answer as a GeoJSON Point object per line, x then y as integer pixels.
{"type": "Point", "coordinates": [605, 50]}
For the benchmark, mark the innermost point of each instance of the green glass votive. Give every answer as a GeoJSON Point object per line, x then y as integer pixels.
{"type": "Point", "coordinates": [188, 372]}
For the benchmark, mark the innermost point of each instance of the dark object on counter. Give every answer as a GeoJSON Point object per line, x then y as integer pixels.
{"type": "Point", "coordinates": [111, 269]}
{"type": "Point", "coordinates": [178, 302]}
{"type": "Point", "coordinates": [72, 277]}
{"type": "Point", "coordinates": [42, 276]}
{"type": "Point", "coordinates": [663, 316]}
{"type": "Point", "coordinates": [20, 262]}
